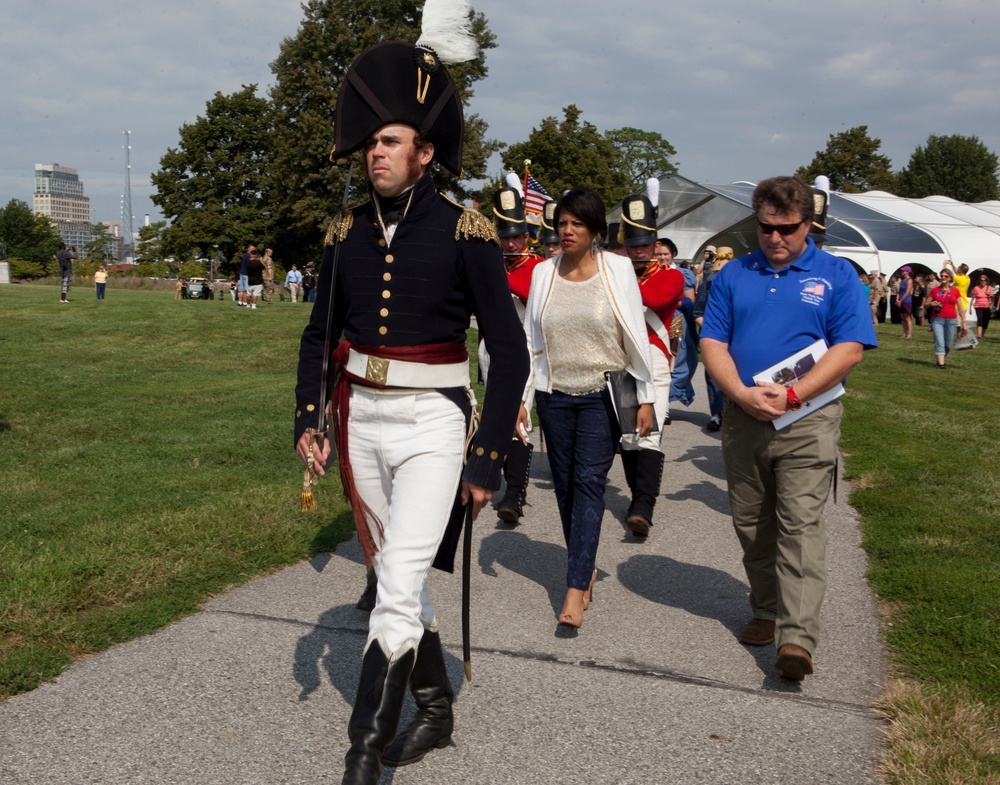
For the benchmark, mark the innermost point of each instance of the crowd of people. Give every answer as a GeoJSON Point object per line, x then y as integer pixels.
{"type": "Point", "coordinates": [599, 335]}
{"type": "Point", "coordinates": [940, 301]}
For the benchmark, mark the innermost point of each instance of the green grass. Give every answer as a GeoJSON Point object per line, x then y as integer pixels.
{"type": "Point", "coordinates": [145, 465]}
{"type": "Point", "coordinates": [924, 457]}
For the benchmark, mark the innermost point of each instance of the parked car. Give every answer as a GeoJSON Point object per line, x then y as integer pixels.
{"type": "Point", "coordinates": [196, 289]}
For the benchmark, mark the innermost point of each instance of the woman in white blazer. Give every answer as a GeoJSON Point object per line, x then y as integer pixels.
{"type": "Point", "coordinates": [583, 317]}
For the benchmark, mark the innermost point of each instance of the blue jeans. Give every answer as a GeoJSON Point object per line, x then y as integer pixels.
{"type": "Point", "coordinates": [944, 334]}
{"type": "Point", "coordinates": [716, 398]}
{"type": "Point", "coordinates": [686, 361]}
{"type": "Point", "coordinates": [581, 433]}
{"type": "Point", "coordinates": [100, 290]}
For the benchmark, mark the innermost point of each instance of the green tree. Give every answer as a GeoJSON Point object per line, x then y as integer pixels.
{"type": "Point", "coordinates": [308, 72]}
{"type": "Point", "coordinates": [101, 248]}
{"type": "Point", "coordinates": [641, 155]}
{"type": "Point", "coordinates": [961, 167]}
{"type": "Point", "coordinates": [568, 153]}
{"type": "Point", "coordinates": [852, 162]}
{"type": "Point", "coordinates": [214, 185]}
{"type": "Point", "coordinates": [150, 248]}
{"type": "Point", "coordinates": [29, 237]}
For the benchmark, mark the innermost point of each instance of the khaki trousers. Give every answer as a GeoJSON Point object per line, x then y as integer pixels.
{"type": "Point", "coordinates": [779, 482]}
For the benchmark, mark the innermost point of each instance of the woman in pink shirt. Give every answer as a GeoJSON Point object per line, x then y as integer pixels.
{"type": "Point", "coordinates": [982, 296]}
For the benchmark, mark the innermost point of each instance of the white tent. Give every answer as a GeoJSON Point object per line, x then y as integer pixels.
{"type": "Point", "coordinates": [875, 230]}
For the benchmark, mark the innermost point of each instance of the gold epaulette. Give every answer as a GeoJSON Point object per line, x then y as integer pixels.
{"type": "Point", "coordinates": [339, 227]}
{"type": "Point", "coordinates": [473, 224]}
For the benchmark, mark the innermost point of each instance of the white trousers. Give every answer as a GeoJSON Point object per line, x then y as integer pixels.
{"type": "Point", "coordinates": [661, 383]}
{"type": "Point", "coordinates": [407, 451]}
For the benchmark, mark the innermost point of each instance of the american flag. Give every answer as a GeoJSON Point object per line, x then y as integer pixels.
{"type": "Point", "coordinates": [535, 197]}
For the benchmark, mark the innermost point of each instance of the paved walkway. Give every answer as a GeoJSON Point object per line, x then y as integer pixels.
{"type": "Point", "coordinates": [655, 688]}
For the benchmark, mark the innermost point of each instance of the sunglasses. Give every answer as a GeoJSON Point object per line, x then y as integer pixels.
{"type": "Point", "coordinates": [783, 229]}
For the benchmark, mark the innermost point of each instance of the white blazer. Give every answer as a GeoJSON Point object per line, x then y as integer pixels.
{"type": "Point", "coordinates": [622, 290]}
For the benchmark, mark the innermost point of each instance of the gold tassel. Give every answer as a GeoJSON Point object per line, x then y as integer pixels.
{"type": "Point", "coordinates": [307, 501]}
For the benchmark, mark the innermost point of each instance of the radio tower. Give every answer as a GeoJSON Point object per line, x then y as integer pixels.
{"type": "Point", "coordinates": [128, 240]}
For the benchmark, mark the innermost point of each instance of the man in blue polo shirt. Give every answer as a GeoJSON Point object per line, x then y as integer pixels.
{"type": "Point", "coordinates": [763, 308]}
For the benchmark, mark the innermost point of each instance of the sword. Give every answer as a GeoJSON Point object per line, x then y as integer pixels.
{"type": "Point", "coordinates": [307, 500]}
{"type": "Point", "coordinates": [466, 593]}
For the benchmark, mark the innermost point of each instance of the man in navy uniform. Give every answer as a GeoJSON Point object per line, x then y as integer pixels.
{"type": "Point", "coordinates": [413, 267]}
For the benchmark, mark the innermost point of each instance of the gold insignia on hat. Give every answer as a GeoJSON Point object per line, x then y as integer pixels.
{"type": "Point", "coordinates": [507, 201]}
{"type": "Point", "coordinates": [636, 211]}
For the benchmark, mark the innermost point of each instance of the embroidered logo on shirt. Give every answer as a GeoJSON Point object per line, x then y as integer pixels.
{"type": "Point", "coordinates": [814, 290]}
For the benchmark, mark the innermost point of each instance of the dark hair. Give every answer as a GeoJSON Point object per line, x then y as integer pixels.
{"type": "Point", "coordinates": [420, 140]}
{"type": "Point", "coordinates": [669, 243]}
{"type": "Point", "coordinates": [785, 195]}
{"type": "Point", "coordinates": [586, 204]}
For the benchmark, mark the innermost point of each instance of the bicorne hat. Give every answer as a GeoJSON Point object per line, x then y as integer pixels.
{"type": "Point", "coordinates": [399, 82]}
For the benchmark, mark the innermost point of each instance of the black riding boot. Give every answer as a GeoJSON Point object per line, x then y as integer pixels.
{"type": "Point", "coordinates": [515, 472]}
{"type": "Point", "coordinates": [630, 463]}
{"type": "Point", "coordinates": [649, 472]}
{"type": "Point", "coordinates": [366, 602]}
{"type": "Point", "coordinates": [373, 724]}
{"type": "Point", "coordinates": [433, 722]}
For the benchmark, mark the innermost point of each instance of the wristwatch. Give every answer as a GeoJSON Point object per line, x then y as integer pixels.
{"type": "Point", "coordinates": [794, 402]}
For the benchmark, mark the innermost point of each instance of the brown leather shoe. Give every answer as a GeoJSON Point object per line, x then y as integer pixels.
{"type": "Point", "coordinates": [759, 632]}
{"type": "Point", "coordinates": [793, 663]}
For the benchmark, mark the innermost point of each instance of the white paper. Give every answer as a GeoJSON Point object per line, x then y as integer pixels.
{"type": "Point", "coordinates": [789, 371]}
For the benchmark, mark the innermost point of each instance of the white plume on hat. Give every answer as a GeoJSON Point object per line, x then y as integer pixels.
{"type": "Point", "coordinates": [653, 191]}
{"type": "Point", "coordinates": [822, 183]}
{"type": "Point", "coordinates": [514, 182]}
{"type": "Point", "coordinates": [445, 29]}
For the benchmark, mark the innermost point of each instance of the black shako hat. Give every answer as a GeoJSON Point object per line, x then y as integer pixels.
{"type": "Point", "coordinates": [638, 221]}
{"type": "Point", "coordinates": [399, 82]}
{"type": "Point", "coordinates": [612, 241]}
{"type": "Point", "coordinates": [546, 226]}
{"type": "Point", "coordinates": [508, 207]}
{"type": "Point", "coordinates": [817, 229]}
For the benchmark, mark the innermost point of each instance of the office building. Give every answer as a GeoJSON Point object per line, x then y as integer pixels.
{"type": "Point", "coordinates": [59, 196]}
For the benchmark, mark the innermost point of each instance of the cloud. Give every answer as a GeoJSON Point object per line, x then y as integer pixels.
{"type": "Point", "coordinates": [742, 91]}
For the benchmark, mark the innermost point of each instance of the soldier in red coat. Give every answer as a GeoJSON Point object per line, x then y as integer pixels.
{"type": "Point", "coordinates": [661, 288]}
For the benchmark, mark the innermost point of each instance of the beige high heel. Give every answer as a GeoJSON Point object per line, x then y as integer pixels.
{"type": "Point", "coordinates": [588, 596]}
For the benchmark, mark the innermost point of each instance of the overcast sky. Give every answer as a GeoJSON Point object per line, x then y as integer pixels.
{"type": "Point", "coordinates": [742, 90]}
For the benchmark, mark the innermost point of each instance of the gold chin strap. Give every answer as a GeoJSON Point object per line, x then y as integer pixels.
{"type": "Point", "coordinates": [506, 218]}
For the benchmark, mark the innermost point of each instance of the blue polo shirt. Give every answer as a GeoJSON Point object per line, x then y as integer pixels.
{"type": "Point", "coordinates": [765, 315]}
